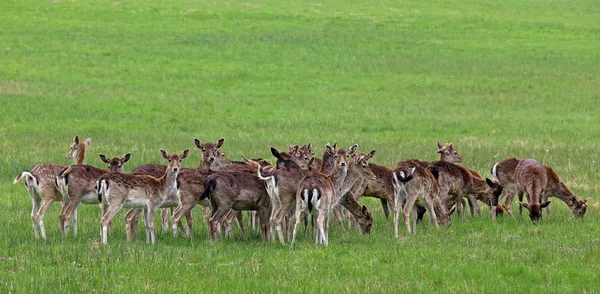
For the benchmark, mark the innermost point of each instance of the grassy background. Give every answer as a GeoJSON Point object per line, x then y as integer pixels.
{"type": "Point", "coordinates": [497, 78]}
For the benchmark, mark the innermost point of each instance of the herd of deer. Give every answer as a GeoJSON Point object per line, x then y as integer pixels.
{"type": "Point", "coordinates": [298, 184]}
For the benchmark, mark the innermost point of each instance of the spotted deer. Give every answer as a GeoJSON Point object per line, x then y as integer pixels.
{"type": "Point", "coordinates": [358, 172]}
{"type": "Point", "coordinates": [138, 191]}
{"type": "Point", "coordinates": [413, 182]}
{"type": "Point", "coordinates": [316, 192]}
{"type": "Point", "coordinates": [456, 181]}
{"type": "Point", "coordinates": [41, 185]}
{"type": "Point", "coordinates": [78, 184]}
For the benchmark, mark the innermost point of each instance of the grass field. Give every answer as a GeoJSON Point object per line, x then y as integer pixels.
{"type": "Point", "coordinates": [499, 79]}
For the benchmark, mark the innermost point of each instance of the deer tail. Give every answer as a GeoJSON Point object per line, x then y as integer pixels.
{"type": "Point", "coordinates": [28, 177]}
{"type": "Point", "coordinates": [209, 187]}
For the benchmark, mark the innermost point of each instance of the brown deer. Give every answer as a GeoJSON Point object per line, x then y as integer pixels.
{"type": "Point", "coordinates": [190, 187]}
{"type": "Point", "coordinates": [412, 182]}
{"type": "Point", "coordinates": [238, 190]}
{"type": "Point", "coordinates": [135, 191]}
{"type": "Point", "coordinates": [522, 176]}
{"type": "Point", "coordinates": [456, 181]}
{"type": "Point", "coordinates": [41, 185]}
{"type": "Point", "coordinates": [358, 172]}
{"type": "Point", "coordinates": [78, 184]}
{"type": "Point", "coordinates": [556, 188]}
{"type": "Point", "coordinates": [315, 193]}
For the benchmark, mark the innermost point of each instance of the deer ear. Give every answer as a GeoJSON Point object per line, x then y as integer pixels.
{"type": "Point", "coordinates": [220, 143]}
{"type": "Point", "coordinates": [440, 146]}
{"type": "Point", "coordinates": [198, 143]}
{"type": "Point", "coordinates": [451, 146]}
{"type": "Point", "coordinates": [104, 158]}
{"type": "Point", "coordinates": [490, 182]}
{"type": "Point", "coordinates": [126, 157]}
{"type": "Point", "coordinates": [334, 145]}
{"type": "Point", "coordinates": [244, 159]}
{"type": "Point", "coordinates": [185, 153]}
{"type": "Point", "coordinates": [352, 150]}
{"type": "Point", "coordinates": [76, 140]}
{"type": "Point", "coordinates": [310, 163]}
{"type": "Point", "coordinates": [524, 204]}
{"type": "Point", "coordinates": [291, 147]}
{"type": "Point", "coordinates": [275, 152]}
{"type": "Point", "coordinates": [164, 154]}
{"type": "Point", "coordinates": [88, 142]}
{"type": "Point", "coordinates": [371, 154]}
{"type": "Point", "coordinates": [364, 209]}
{"type": "Point", "coordinates": [545, 204]}
{"type": "Point", "coordinates": [452, 211]}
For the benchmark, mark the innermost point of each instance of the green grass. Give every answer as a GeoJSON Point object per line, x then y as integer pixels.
{"type": "Point", "coordinates": [497, 78]}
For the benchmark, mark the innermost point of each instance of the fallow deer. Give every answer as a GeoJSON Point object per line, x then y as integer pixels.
{"type": "Point", "coordinates": [521, 176]}
{"type": "Point", "coordinates": [556, 188]}
{"type": "Point", "coordinates": [78, 184]}
{"type": "Point", "coordinates": [315, 193]}
{"type": "Point", "coordinates": [138, 191]}
{"type": "Point", "coordinates": [41, 185]}
{"type": "Point", "coordinates": [456, 181]}
{"type": "Point", "coordinates": [413, 182]}
{"type": "Point", "coordinates": [238, 190]}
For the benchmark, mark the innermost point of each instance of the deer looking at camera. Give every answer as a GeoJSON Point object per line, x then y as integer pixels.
{"type": "Point", "coordinates": [78, 184]}
{"type": "Point", "coordinates": [41, 185]}
{"type": "Point", "coordinates": [523, 176]}
{"type": "Point", "coordinates": [316, 192]}
{"type": "Point", "coordinates": [138, 191]}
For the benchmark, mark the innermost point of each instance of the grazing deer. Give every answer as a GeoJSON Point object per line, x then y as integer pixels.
{"type": "Point", "coordinates": [41, 185]}
{"type": "Point", "coordinates": [456, 181]}
{"type": "Point", "coordinates": [556, 188]}
{"type": "Point", "coordinates": [522, 176]}
{"type": "Point", "coordinates": [412, 182]}
{"type": "Point", "coordinates": [316, 192]}
{"type": "Point", "coordinates": [136, 191]}
{"type": "Point", "coordinates": [78, 184]}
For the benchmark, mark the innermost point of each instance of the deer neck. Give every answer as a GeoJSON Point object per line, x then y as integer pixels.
{"type": "Point", "coordinates": [338, 176]}
{"type": "Point", "coordinates": [168, 180]}
{"type": "Point", "coordinates": [80, 158]}
{"type": "Point", "coordinates": [327, 167]}
{"type": "Point", "coordinates": [563, 193]}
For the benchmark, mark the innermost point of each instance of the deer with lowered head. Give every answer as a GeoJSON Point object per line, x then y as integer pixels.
{"type": "Point", "coordinates": [41, 185]}
{"type": "Point", "coordinates": [78, 184]}
{"type": "Point", "coordinates": [456, 181]}
{"type": "Point", "coordinates": [521, 176]}
{"type": "Point", "coordinates": [413, 182]}
{"type": "Point", "coordinates": [138, 191]}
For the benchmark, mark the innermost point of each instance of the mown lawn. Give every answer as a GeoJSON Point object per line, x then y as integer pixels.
{"type": "Point", "coordinates": [499, 79]}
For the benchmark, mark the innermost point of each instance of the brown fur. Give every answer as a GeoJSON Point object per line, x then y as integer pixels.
{"type": "Point", "coordinates": [78, 184]}
{"type": "Point", "coordinates": [126, 190]}
{"type": "Point", "coordinates": [556, 188]}
{"type": "Point", "coordinates": [414, 182]}
{"type": "Point", "coordinates": [456, 181]}
{"type": "Point", "coordinates": [41, 185]}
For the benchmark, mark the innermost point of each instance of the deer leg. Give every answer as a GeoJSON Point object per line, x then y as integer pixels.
{"type": "Point", "coordinates": [68, 212]}
{"type": "Point", "coordinates": [189, 223]}
{"type": "Point", "coordinates": [386, 210]}
{"type": "Point", "coordinates": [164, 215]}
{"type": "Point", "coordinates": [149, 211]}
{"type": "Point", "coordinates": [215, 219]}
{"type": "Point", "coordinates": [520, 195]}
{"type": "Point", "coordinates": [106, 219]}
{"type": "Point", "coordinates": [35, 201]}
{"type": "Point", "coordinates": [429, 200]}
{"type": "Point", "coordinates": [396, 210]}
{"type": "Point", "coordinates": [408, 207]}
{"type": "Point", "coordinates": [41, 213]}
{"type": "Point", "coordinates": [131, 219]}
{"type": "Point", "coordinates": [297, 224]}
{"type": "Point", "coordinates": [321, 224]}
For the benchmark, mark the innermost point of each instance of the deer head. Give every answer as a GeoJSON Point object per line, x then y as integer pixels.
{"type": "Point", "coordinates": [535, 210]}
{"type": "Point", "coordinates": [448, 153]}
{"type": "Point", "coordinates": [361, 161]}
{"type": "Point", "coordinates": [77, 149]}
{"type": "Point", "coordinates": [116, 164]}
{"type": "Point", "coordinates": [366, 222]}
{"type": "Point", "coordinates": [212, 156]}
{"type": "Point", "coordinates": [285, 159]}
{"type": "Point", "coordinates": [579, 206]}
{"type": "Point", "coordinates": [174, 160]}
